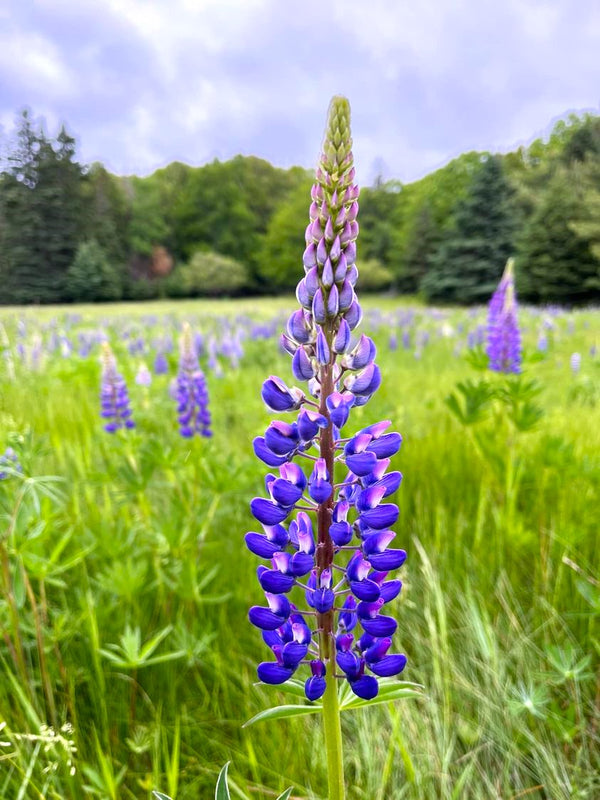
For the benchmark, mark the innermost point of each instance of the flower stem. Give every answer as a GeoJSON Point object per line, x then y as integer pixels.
{"type": "Point", "coordinates": [332, 730]}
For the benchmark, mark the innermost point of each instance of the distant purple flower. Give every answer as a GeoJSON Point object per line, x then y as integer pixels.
{"type": "Point", "coordinates": [339, 554]}
{"type": "Point", "coordinates": [143, 376]}
{"type": "Point", "coordinates": [191, 391]}
{"type": "Point", "coordinates": [9, 463]}
{"type": "Point", "coordinates": [114, 397]}
{"type": "Point", "coordinates": [575, 362]}
{"type": "Point", "coordinates": [503, 333]}
{"type": "Point", "coordinates": [161, 365]}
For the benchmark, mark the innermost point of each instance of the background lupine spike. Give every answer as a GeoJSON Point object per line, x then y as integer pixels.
{"type": "Point", "coordinates": [114, 397]}
{"type": "Point", "coordinates": [503, 333]}
{"type": "Point", "coordinates": [191, 390]}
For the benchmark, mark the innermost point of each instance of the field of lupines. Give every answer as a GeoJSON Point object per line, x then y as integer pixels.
{"type": "Point", "coordinates": [127, 661]}
{"type": "Point", "coordinates": [131, 584]}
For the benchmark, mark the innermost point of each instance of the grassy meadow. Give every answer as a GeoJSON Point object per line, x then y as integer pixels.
{"type": "Point", "coordinates": [127, 662]}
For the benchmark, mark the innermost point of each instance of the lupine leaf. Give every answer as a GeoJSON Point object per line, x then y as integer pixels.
{"type": "Point", "coordinates": [293, 686]}
{"type": "Point", "coordinates": [283, 712]}
{"type": "Point", "coordinates": [285, 795]}
{"type": "Point", "coordinates": [222, 790]}
{"type": "Point", "coordinates": [387, 693]}
{"type": "Point", "coordinates": [160, 796]}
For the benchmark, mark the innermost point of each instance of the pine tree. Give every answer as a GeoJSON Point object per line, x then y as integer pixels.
{"type": "Point", "coordinates": [471, 255]}
{"type": "Point", "coordinates": [41, 211]}
{"type": "Point", "coordinates": [555, 264]}
{"type": "Point", "coordinates": [422, 242]}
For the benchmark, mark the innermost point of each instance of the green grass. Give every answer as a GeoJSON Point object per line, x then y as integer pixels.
{"type": "Point", "coordinates": [129, 582]}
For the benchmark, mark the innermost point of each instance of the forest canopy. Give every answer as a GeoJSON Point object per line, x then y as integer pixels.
{"type": "Point", "coordinates": [71, 232]}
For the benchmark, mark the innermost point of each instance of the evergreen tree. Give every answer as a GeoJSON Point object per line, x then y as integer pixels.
{"type": "Point", "coordinates": [555, 264]}
{"type": "Point", "coordinates": [423, 240]}
{"type": "Point", "coordinates": [91, 277]}
{"type": "Point", "coordinates": [472, 254]}
{"type": "Point", "coordinates": [42, 214]}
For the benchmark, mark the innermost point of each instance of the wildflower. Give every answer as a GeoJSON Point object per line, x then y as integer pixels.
{"type": "Point", "coordinates": [575, 362]}
{"type": "Point", "coordinates": [191, 392]}
{"type": "Point", "coordinates": [336, 556]}
{"type": "Point", "coordinates": [9, 464]}
{"type": "Point", "coordinates": [114, 397]}
{"type": "Point", "coordinates": [503, 334]}
{"type": "Point", "coordinates": [161, 365]}
{"type": "Point", "coordinates": [143, 376]}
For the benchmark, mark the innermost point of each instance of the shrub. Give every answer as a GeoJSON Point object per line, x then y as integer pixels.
{"type": "Point", "coordinates": [91, 276]}
{"type": "Point", "coordinates": [209, 273]}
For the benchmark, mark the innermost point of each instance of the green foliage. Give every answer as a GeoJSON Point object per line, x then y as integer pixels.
{"type": "Point", "coordinates": [586, 221]}
{"type": "Point", "coordinates": [40, 214]}
{"type": "Point", "coordinates": [498, 613]}
{"type": "Point", "coordinates": [91, 277]}
{"type": "Point", "coordinates": [471, 255]}
{"type": "Point", "coordinates": [554, 263]}
{"type": "Point", "coordinates": [373, 276]}
{"type": "Point", "coordinates": [380, 209]}
{"type": "Point", "coordinates": [210, 274]}
{"type": "Point", "coordinates": [226, 207]}
{"type": "Point", "coordinates": [471, 402]}
{"type": "Point", "coordinates": [283, 244]}
{"type": "Point", "coordinates": [148, 226]}
{"type": "Point", "coordinates": [425, 212]}
{"type": "Point", "coordinates": [446, 235]}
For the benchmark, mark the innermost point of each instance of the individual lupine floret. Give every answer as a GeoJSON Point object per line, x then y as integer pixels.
{"type": "Point", "coordinates": [347, 587]}
{"type": "Point", "coordinates": [114, 397]}
{"type": "Point", "coordinates": [191, 391]}
{"type": "Point", "coordinates": [503, 333]}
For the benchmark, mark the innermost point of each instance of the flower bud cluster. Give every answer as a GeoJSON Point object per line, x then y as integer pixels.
{"type": "Point", "coordinates": [326, 532]}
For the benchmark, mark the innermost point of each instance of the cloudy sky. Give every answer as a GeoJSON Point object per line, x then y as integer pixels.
{"type": "Point", "coordinates": [145, 82]}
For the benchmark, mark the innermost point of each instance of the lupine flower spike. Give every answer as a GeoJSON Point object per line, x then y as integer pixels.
{"type": "Point", "coordinates": [191, 391]}
{"type": "Point", "coordinates": [114, 398]}
{"type": "Point", "coordinates": [326, 531]}
{"type": "Point", "coordinates": [503, 334]}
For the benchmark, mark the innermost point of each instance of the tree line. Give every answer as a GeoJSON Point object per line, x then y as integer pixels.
{"type": "Point", "coordinates": [69, 232]}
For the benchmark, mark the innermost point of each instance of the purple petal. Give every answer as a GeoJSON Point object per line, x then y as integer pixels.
{"type": "Point", "coordinates": [267, 512]}
{"type": "Point", "coordinates": [270, 672]}
{"type": "Point", "coordinates": [388, 666]}
{"type": "Point", "coordinates": [388, 560]}
{"type": "Point", "coordinates": [365, 687]}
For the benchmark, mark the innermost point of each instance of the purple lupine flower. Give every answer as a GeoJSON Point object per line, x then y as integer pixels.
{"type": "Point", "coordinates": [9, 464]}
{"type": "Point", "coordinates": [161, 365]}
{"type": "Point", "coordinates": [143, 376]}
{"type": "Point", "coordinates": [191, 392]}
{"type": "Point", "coordinates": [326, 530]}
{"type": "Point", "coordinates": [575, 362]}
{"type": "Point", "coordinates": [503, 333]}
{"type": "Point", "coordinates": [114, 398]}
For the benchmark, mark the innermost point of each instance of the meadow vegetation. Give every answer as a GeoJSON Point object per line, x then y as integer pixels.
{"type": "Point", "coordinates": [127, 662]}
